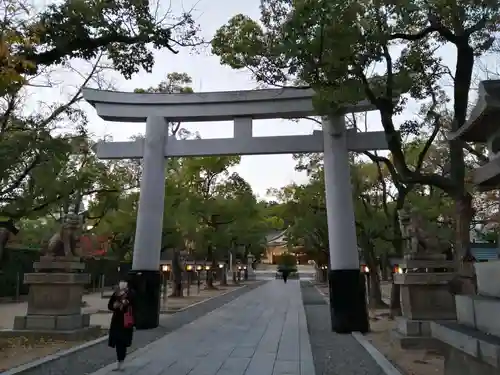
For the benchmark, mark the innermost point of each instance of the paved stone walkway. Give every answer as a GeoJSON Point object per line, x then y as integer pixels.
{"type": "Point", "coordinates": [263, 332]}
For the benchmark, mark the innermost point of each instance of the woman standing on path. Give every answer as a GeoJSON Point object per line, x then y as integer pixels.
{"type": "Point", "coordinates": [121, 329]}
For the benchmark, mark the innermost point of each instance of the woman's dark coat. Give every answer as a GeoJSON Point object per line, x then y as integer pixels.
{"type": "Point", "coordinates": [118, 334]}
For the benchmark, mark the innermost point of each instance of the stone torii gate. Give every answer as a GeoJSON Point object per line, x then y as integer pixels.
{"type": "Point", "coordinates": [347, 291]}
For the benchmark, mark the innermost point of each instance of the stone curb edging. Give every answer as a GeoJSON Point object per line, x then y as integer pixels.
{"type": "Point", "coordinates": [52, 357]}
{"type": "Point", "coordinates": [63, 353]}
{"type": "Point", "coordinates": [387, 367]}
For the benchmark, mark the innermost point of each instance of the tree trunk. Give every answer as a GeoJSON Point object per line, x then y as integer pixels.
{"type": "Point", "coordinates": [463, 200]}
{"type": "Point", "coordinates": [4, 239]}
{"type": "Point", "coordinates": [224, 276]}
{"type": "Point", "coordinates": [464, 214]}
{"type": "Point", "coordinates": [321, 275]}
{"type": "Point", "coordinates": [177, 275]}
{"type": "Point", "coordinates": [375, 297]}
{"type": "Point", "coordinates": [463, 257]}
{"type": "Point", "coordinates": [384, 266]}
{"type": "Point", "coordinates": [395, 302]}
{"type": "Point", "coordinates": [397, 243]}
{"type": "Point", "coordinates": [210, 272]}
{"type": "Point", "coordinates": [374, 294]}
{"type": "Point", "coordinates": [210, 280]}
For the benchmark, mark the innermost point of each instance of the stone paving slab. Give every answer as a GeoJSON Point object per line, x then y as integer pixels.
{"type": "Point", "coordinates": [95, 357]}
{"type": "Point", "coordinates": [263, 332]}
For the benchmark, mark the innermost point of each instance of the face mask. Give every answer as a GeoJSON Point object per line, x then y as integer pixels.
{"type": "Point", "coordinates": [122, 285]}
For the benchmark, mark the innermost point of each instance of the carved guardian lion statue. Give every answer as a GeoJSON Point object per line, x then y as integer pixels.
{"type": "Point", "coordinates": [63, 243]}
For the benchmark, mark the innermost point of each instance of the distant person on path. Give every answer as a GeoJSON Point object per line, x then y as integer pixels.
{"type": "Point", "coordinates": [121, 329]}
{"type": "Point", "coordinates": [285, 273]}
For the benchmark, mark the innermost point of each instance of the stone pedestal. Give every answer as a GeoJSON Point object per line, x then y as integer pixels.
{"type": "Point", "coordinates": [251, 273]}
{"type": "Point", "coordinates": [425, 297]}
{"type": "Point", "coordinates": [55, 300]}
{"type": "Point", "coordinates": [250, 270]}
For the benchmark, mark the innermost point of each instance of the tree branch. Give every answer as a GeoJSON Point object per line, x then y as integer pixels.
{"type": "Point", "coordinates": [482, 158]}
{"type": "Point", "coordinates": [414, 37]}
{"type": "Point", "coordinates": [481, 24]}
{"type": "Point", "coordinates": [381, 159]}
{"type": "Point", "coordinates": [427, 146]}
{"type": "Point", "coordinates": [432, 137]}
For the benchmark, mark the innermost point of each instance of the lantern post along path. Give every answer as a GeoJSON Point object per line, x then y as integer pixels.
{"type": "Point", "coordinates": [347, 290]}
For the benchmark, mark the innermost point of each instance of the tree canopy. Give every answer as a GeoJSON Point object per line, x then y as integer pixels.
{"type": "Point", "coordinates": [44, 159]}
{"type": "Point", "coordinates": [349, 51]}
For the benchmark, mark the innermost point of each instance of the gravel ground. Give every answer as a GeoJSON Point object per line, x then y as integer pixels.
{"type": "Point", "coordinates": [89, 360]}
{"type": "Point", "coordinates": [333, 354]}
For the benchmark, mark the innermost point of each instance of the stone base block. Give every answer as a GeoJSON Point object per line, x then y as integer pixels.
{"type": "Point", "coordinates": [467, 351]}
{"type": "Point", "coordinates": [55, 278]}
{"type": "Point", "coordinates": [416, 342]}
{"type": "Point", "coordinates": [409, 327]}
{"type": "Point", "coordinates": [61, 266]}
{"type": "Point", "coordinates": [83, 334]}
{"type": "Point", "coordinates": [52, 322]}
{"type": "Point", "coordinates": [479, 312]}
{"type": "Point", "coordinates": [55, 293]}
{"type": "Point", "coordinates": [488, 278]}
{"type": "Point", "coordinates": [457, 362]}
{"type": "Point", "coordinates": [414, 334]}
{"type": "Point", "coordinates": [423, 299]}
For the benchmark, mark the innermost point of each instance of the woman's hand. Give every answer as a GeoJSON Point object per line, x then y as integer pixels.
{"type": "Point", "coordinates": [116, 305]}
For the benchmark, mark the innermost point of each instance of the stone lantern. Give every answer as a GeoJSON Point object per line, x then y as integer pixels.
{"type": "Point", "coordinates": [424, 276]}
{"type": "Point", "coordinates": [250, 265]}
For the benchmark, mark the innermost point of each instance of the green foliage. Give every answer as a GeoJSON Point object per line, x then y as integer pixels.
{"type": "Point", "coordinates": [39, 171]}
{"type": "Point", "coordinates": [330, 44]}
{"type": "Point", "coordinates": [375, 210]}
{"type": "Point", "coordinates": [287, 262]}
{"type": "Point", "coordinates": [119, 223]}
{"type": "Point", "coordinates": [30, 161]}
{"type": "Point", "coordinates": [34, 233]}
{"type": "Point", "coordinates": [124, 30]}
{"type": "Point", "coordinates": [18, 262]}
{"type": "Point", "coordinates": [175, 83]}
{"type": "Point", "coordinates": [349, 51]}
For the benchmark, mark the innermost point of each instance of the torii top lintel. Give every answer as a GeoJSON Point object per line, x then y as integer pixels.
{"type": "Point", "coordinates": [208, 106]}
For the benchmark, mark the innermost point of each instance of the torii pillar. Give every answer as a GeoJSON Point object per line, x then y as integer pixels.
{"type": "Point", "coordinates": [145, 276]}
{"type": "Point", "coordinates": [346, 283]}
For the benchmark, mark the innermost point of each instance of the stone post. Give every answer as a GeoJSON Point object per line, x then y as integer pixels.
{"type": "Point", "coordinates": [145, 277]}
{"type": "Point", "coordinates": [346, 283]}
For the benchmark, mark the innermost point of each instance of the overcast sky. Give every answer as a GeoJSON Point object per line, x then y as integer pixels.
{"type": "Point", "coordinates": [262, 172]}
